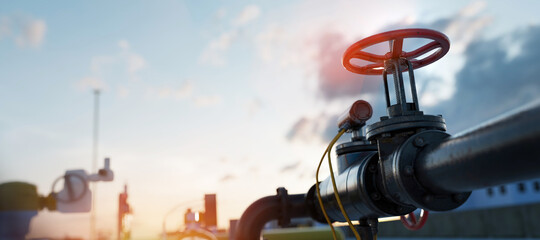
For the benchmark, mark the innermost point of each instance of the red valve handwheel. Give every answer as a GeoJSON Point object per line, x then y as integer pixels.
{"type": "Point", "coordinates": [396, 37]}
{"type": "Point", "coordinates": [411, 223]}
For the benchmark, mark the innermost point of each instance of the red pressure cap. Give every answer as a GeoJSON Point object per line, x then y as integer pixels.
{"type": "Point", "coordinates": [356, 116]}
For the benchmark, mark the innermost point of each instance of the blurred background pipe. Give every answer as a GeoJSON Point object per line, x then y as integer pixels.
{"type": "Point", "coordinates": [281, 207]}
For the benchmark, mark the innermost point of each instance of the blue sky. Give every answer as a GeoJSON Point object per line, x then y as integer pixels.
{"type": "Point", "coordinates": [231, 97]}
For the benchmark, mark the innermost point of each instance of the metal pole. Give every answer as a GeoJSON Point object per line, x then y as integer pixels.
{"type": "Point", "coordinates": [94, 164]}
{"type": "Point", "coordinates": [502, 151]}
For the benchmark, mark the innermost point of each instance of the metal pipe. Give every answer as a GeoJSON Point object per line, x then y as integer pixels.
{"type": "Point", "coordinates": [386, 91]}
{"type": "Point", "coordinates": [501, 151]}
{"type": "Point", "coordinates": [355, 187]}
{"type": "Point", "coordinates": [400, 86]}
{"type": "Point", "coordinates": [281, 207]}
{"type": "Point", "coordinates": [94, 164]}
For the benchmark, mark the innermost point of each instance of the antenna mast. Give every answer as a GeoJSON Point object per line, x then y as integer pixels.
{"type": "Point", "coordinates": [94, 164]}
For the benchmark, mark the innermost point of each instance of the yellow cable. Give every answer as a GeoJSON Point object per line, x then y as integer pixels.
{"type": "Point", "coordinates": [319, 196]}
{"type": "Point", "coordinates": [329, 149]}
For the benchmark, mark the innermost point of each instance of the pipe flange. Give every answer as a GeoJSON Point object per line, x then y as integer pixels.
{"type": "Point", "coordinates": [403, 183]}
{"type": "Point", "coordinates": [355, 146]}
{"type": "Point", "coordinates": [284, 219]}
{"type": "Point", "coordinates": [399, 123]}
{"type": "Point", "coordinates": [313, 205]}
{"type": "Point", "coordinates": [351, 152]}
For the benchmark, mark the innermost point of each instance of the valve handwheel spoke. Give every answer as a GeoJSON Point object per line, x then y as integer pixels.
{"type": "Point", "coordinates": [397, 46]}
{"type": "Point", "coordinates": [369, 56]}
{"type": "Point", "coordinates": [395, 38]}
{"type": "Point", "coordinates": [422, 50]}
{"type": "Point", "coordinates": [412, 223]}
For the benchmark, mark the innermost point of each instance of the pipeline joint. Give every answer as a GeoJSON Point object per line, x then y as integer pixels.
{"type": "Point", "coordinates": [284, 217]}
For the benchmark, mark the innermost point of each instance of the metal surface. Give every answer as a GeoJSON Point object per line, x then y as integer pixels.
{"type": "Point", "coordinates": [357, 189]}
{"type": "Point", "coordinates": [502, 151]}
{"type": "Point", "coordinates": [94, 164]}
{"type": "Point", "coordinates": [422, 168]}
{"type": "Point", "coordinates": [356, 116]}
{"type": "Point", "coordinates": [357, 135]}
{"type": "Point", "coordinates": [399, 181]}
{"type": "Point", "coordinates": [402, 116]}
{"type": "Point", "coordinates": [402, 107]}
{"type": "Point", "coordinates": [395, 67]}
{"type": "Point", "coordinates": [404, 123]}
{"type": "Point", "coordinates": [415, 163]}
{"type": "Point", "coordinates": [358, 150]}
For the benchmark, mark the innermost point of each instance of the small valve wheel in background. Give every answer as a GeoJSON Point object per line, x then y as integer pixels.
{"type": "Point", "coordinates": [410, 222]}
{"type": "Point", "coordinates": [75, 185]}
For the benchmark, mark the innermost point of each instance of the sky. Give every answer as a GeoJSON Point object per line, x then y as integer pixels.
{"type": "Point", "coordinates": [235, 98]}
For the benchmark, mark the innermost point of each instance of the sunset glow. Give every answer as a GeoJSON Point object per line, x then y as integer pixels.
{"type": "Point", "coordinates": [234, 98]}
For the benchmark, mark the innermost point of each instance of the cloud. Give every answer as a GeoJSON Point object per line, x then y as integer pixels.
{"type": "Point", "coordinates": [99, 63]}
{"type": "Point", "coordinates": [5, 27]}
{"type": "Point", "coordinates": [253, 106]}
{"type": "Point", "coordinates": [269, 40]}
{"type": "Point", "coordinates": [186, 92]}
{"type": "Point", "coordinates": [291, 167]}
{"type": "Point", "coordinates": [182, 92]}
{"type": "Point", "coordinates": [248, 14]}
{"type": "Point", "coordinates": [227, 178]}
{"type": "Point", "coordinates": [131, 61]}
{"type": "Point", "coordinates": [214, 53]}
{"type": "Point", "coordinates": [304, 129]}
{"type": "Point", "coordinates": [465, 26]}
{"type": "Point", "coordinates": [254, 169]}
{"type": "Point", "coordinates": [33, 33]}
{"type": "Point", "coordinates": [473, 9]}
{"type": "Point", "coordinates": [91, 83]}
{"type": "Point", "coordinates": [279, 45]}
{"type": "Point", "coordinates": [134, 62]}
{"type": "Point", "coordinates": [206, 101]}
{"type": "Point", "coordinates": [462, 29]}
{"type": "Point", "coordinates": [24, 31]}
{"type": "Point", "coordinates": [123, 44]}
{"type": "Point", "coordinates": [103, 67]}
{"type": "Point", "coordinates": [220, 14]}
{"type": "Point", "coordinates": [123, 91]}
{"type": "Point", "coordinates": [334, 80]}
{"type": "Point", "coordinates": [317, 129]}
{"type": "Point", "coordinates": [491, 84]}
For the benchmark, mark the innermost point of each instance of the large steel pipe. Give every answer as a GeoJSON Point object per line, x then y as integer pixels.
{"type": "Point", "coordinates": [501, 151]}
